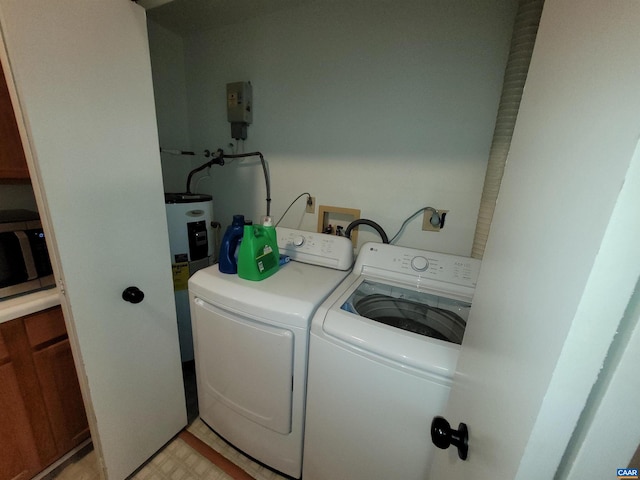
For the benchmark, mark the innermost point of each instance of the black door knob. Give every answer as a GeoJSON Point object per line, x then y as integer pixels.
{"type": "Point", "coordinates": [133, 295]}
{"type": "Point", "coordinates": [443, 436]}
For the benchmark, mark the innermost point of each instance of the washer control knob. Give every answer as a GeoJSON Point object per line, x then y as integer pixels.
{"type": "Point", "coordinates": [298, 240]}
{"type": "Point", "coordinates": [419, 264]}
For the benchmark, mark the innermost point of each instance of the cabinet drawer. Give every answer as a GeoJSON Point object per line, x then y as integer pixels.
{"type": "Point", "coordinates": [42, 327]}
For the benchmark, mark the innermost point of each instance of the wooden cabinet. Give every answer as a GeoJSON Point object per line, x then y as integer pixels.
{"type": "Point", "coordinates": [13, 165]}
{"type": "Point", "coordinates": [42, 415]}
{"type": "Point", "coordinates": [57, 378]}
{"type": "Point", "coordinates": [19, 457]}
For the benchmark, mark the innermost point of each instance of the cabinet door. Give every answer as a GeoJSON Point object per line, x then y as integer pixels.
{"type": "Point", "coordinates": [61, 392]}
{"type": "Point", "coordinates": [28, 393]}
{"type": "Point", "coordinates": [19, 458]}
{"type": "Point", "coordinates": [13, 165]}
{"type": "Point", "coordinates": [57, 378]}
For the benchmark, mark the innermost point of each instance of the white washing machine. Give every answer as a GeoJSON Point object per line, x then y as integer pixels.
{"type": "Point", "coordinates": [383, 350]}
{"type": "Point", "coordinates": [251, 343]}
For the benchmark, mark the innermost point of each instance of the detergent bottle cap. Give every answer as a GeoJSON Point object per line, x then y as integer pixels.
{"type": "Point", "coordinates": [266, 221]}
{"type": "Point", "coordinates": [238, 220]}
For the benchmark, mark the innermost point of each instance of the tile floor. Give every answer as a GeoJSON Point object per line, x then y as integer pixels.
{"type": "Point", "coordinates": [208, 436]}
{"type": "Point", "coordinates": [177, 461]}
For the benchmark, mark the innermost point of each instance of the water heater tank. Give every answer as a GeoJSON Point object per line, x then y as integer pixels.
{"type": "Point", "coordinates": [191, 243]}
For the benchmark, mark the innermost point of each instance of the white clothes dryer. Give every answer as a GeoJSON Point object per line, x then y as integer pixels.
{"type": "Point", "coordinates": [382, 353]}
{"type": "Point", "coordinates": [251, 344]}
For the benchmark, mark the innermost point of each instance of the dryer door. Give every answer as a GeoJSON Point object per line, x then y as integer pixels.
{"type": "Point", "coordinates": [244, 365]}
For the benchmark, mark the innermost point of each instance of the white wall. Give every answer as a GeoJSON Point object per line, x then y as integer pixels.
{"type": "Point", "coordinates": [363, 104]}
{"type": "Point", "coordinates": [167, 63]}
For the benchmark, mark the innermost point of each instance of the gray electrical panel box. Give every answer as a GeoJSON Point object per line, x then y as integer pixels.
{"type": "Point", "coordinates": [239, 102]}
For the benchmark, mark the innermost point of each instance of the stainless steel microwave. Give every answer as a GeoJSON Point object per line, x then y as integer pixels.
{"type": "Point", "coordinates": [25, 265]}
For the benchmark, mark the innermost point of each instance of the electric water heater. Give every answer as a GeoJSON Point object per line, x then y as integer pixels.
{"type": "Point", "coordinates": [191, 242]}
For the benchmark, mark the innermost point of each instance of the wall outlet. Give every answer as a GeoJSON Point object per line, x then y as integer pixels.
{"type": "Point", "coordinates": [426, 220]}
{"type": "Point", "coordinates": [311, 205]}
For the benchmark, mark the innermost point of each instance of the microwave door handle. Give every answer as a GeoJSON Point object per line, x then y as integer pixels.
{"type": "Point", "coordinates": [27, 254]}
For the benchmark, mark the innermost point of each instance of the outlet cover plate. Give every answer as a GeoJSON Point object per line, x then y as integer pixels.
{"type": "Point", "coordinates": [426, 220]}
{"type": "Point", "coordinates": [311, 208]}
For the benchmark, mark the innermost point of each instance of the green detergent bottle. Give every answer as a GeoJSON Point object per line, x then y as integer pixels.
{"type": "Point", "coordinates": [259, 256]}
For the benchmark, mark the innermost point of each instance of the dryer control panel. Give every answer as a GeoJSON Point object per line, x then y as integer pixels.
{"type": "Point", "coordinates": [316, 248]}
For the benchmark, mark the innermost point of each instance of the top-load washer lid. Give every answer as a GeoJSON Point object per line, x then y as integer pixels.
{"type": "Point", "coordinates": [419, 312]}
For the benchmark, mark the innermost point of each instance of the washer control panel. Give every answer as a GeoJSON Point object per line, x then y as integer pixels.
{"type": "Point", "coordinates": [386, 260]}
{"type": "Point", "coordinates": [316, 248]}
